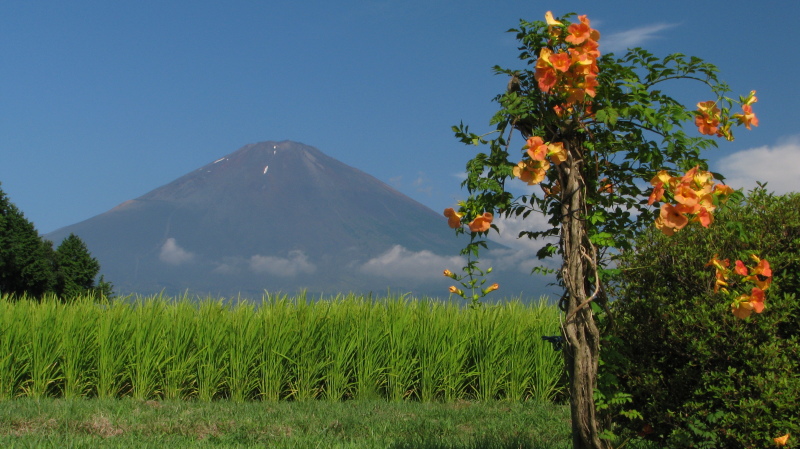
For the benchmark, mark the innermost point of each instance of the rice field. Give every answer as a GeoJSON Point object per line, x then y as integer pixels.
{"type": "Point", "coordinates": [346, 347]}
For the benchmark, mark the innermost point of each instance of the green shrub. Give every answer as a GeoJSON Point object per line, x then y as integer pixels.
{"type": "Point", "coordinates": [699, 376]}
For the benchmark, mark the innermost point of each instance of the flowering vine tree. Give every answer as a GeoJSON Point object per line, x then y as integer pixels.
{"type": "Point", "coordinates": [595, 129]}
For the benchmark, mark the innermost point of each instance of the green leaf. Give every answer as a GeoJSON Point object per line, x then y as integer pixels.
{"type": "Point", "coordinates": [603, 239]}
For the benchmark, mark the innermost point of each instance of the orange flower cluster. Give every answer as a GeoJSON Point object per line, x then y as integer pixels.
{"type": "Point", "coordinates": [570, 67]}
{"type": "Point", "coordinates": [481, 223]}
{"type": "Point", "coordinates": [781, 441]}
{"type": "Point", "coordinates": [567, 68]}
{"type": "Point", "coordinates": [712, 121]}
{"type": "Point", "coordinates": [760, 275]}
{"type": "Point", "coordinates": [534, 170]}
{"type": "Point", "coordinates": [694, 193]}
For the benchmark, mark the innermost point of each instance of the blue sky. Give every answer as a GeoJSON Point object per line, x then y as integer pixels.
{"type": "Point", "coordinates": [101, 102]}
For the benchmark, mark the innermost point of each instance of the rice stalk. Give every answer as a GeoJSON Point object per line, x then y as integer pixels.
{"type": "Point", "coordinates": [277, 341]}
{"type": "Point", "coordinates": [114, 329]}
{"type": "Point", "coordinates": [212, 349]}
{"type": "Point", "coordinates": [370, 358]}
{"type": "Point", "coordinates": [340, 348]}
{"type": "Point", "coordinates": [14, 329]}
{"type": "Point", "coordinates": [546, 382]}
{"type": "Point", "coordinates": [79, 347]}
{"type": "Point", "coordinates": [308, 361]}
{"type": "Point", "coordinates": [489, 348]}
{"type": "Point", "coordinates": [179, 377]}
{"type": "Point", "coordinates": [402, 339]}
{"type": "Point", "coordinates": [147, 347]}
{"type": "Point", "coordinates": [456, 373]}
{"type": "Point", "coordinates": [244, 332]}
{"type": "Point", "coordinates": [43, 348]}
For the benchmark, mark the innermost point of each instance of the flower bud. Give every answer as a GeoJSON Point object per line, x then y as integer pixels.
{"type": "Point", "coordinates": [491, 288]}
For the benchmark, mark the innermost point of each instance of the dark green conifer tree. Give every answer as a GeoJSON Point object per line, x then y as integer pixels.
{"type": "Point", "coordinates": [27, 263]}
{"type": "Point", "coordinates": [77, 268]}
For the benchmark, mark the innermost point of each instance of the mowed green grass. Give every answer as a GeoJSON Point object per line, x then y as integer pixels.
{"type": "Point", "coordinates": [130, 423]}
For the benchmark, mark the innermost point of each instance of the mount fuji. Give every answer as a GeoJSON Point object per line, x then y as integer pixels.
{"type": "Point", "coordinates": [275, 216]}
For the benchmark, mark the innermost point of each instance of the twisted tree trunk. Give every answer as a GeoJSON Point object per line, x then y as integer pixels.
{"type": "Point", "coordinates": [582, 337]}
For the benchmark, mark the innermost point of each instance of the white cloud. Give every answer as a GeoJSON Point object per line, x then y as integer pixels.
{"type": "Point", "coordinates": [296, 263]}
{"type": "Point", "coordinates": [778, 165]}
{"type": "Point", "coordinates": [517, 261]}
{"type": "Point", "coordinates": [401, 263]}
{"type": "Point", "coordinates": [511, 227]}
{"type": "Point", "coordinates": [623, 40]}
{"type": "Point", "coordinates": [511, 266]}
{"type": "Point", "coordinates": [173, 254]}
{"type": "Point", "coordinates": [521, 252]}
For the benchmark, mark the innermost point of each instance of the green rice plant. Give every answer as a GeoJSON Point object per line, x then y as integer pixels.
{"type": "Point", "coordinates": [340, 348]}
{"type": "Point", "coordinates": [179, 377]}
{"type": "Point", "coordinates": [243, 338]}
{"type": "Point", "coordinates": [14, 332]}
{"type": "Point", "coordinates": [402, 340]}
{"type": "Point", "coordinates": [546, 382]}
{"type": "Point", "coordinates": [308, 361]}
{"type": "Point", "coordinates": [521, 361]}
{"type": "Point", "coordinates": [78, 346]}
{"type": "Point", "coordinates": [432, 345]}
{"type": "Point", "coordinates": [277, 341]}
{"type": "Point", "coordinates": [370, 356]}
{"type": "Point", "coordinates": [43, 348]}
{"type": "Point", "coordinates": [489, 349]}
{"type": "Point", "coordinates": [456, 373]}
{"type": "Point", "coordinates": [346, 347]}
{"type": "Point", "coordinates": [147, 347]}
{"type": "Point", "coordinates": [212, 348]}
{"type": "Point", "coordinates": [533, 366]}
{"type": "Point", "coordinates": [114, 330]}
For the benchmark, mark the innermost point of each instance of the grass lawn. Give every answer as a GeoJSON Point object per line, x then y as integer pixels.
{"type": "Point", "coordinates": [128, 423]}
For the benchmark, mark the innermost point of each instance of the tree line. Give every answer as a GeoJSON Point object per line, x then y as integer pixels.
{"type": "Point", "coordinates": [29, 265]}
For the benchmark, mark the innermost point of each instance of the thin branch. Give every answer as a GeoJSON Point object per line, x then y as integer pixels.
{"type": "Point", "coordinates": [678, 77]}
